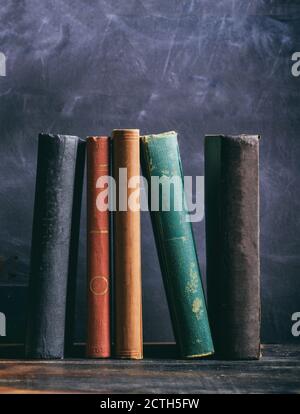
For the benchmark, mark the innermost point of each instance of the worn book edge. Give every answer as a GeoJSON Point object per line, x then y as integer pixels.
{"type": "Point", "coordinates": [146, 138]}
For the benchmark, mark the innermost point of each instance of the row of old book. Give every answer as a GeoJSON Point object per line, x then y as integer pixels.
{"type": "Point", "coordinates": [231, 324]}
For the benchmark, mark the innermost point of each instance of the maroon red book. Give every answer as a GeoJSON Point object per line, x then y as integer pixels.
{"type": "Point", "coordinates": [98, 249]}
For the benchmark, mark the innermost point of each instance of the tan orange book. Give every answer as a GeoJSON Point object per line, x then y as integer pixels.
{"type": "Point", "coordinates": [127, 246]}
{"type": "Point", "coordinates": [98, 249]}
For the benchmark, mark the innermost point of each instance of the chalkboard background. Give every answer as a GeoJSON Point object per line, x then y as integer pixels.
{"type": "Point", "coordinates": [195, 66]}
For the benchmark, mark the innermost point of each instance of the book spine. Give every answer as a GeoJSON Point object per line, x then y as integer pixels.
{"type": "Point", "coordinates": [232, 240]}
{"type": "Point", "coordinates": [111, 245]}
{"type": "Point", "coordinates": [127, 247]}
{"type": "Point", "coordinates": [176, 248]}
{"type": "Point", "coordinates": [98, 248]}
{"type": "Point", "coordinates": [74, 246]}
{"type": "Point", "coordinates": [50, 251]}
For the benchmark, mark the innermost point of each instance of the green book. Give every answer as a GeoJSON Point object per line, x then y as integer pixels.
{"type": "Point", "coordinates": [175, 245]}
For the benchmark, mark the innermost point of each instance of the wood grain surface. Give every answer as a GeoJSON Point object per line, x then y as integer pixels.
{"type": "Point", "coordinates": [277, 372]}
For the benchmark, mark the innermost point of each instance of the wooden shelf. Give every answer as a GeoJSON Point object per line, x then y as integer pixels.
{"type": "Point", "coordinates": [277, 372]}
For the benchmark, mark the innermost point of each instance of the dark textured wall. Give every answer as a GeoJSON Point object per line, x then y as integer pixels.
{"type": "Point", "coordinates": [196, 66]}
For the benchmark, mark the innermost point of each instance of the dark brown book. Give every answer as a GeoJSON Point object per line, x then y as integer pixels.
{"type": "Point", "coordinates": [232, 241]}
{"type": "Point", "coordinates": [127, 247]}
{"type": "Point", "coordinates": [98, 247]}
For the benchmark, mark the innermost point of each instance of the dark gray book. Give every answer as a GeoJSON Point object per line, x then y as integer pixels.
{"type": "Point", "coordinates": [232, 243]}
{"type": "Point", "coordinates": [74, 244]}
{"type": "Point", "coordinates": [51, 258]}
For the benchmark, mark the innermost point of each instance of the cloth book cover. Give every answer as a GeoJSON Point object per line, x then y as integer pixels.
{"type": "Point", "coordinates": [127, 246]}
{"type": "Point", "coordinates": [176, 249]}
{"type": "Point", "coordinates": [51, 243]}
{"type": "Point", "coordinates": [98, 247]}
{"type": "Point", "coordinates": [232, 243]}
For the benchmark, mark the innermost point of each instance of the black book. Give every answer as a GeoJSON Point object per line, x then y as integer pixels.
{"type": "Point", "coordinates": [73, 257]}
{"type": "Point", "coordinates": [56, 197]}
